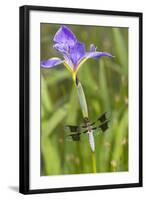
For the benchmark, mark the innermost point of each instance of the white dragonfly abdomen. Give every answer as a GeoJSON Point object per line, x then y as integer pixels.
{"type": "Point", "coordinates": [91, 140]}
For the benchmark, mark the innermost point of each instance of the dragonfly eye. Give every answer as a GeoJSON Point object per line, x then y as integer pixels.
{"type": "Point", "coordinates": [86, 120]}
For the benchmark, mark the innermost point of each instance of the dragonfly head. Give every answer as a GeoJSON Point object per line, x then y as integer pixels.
{"type": "Point", "coordinates": [86, 120]}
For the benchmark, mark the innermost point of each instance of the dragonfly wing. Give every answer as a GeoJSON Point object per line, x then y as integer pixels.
{"type": "Point", "coordinates": [105, 116]}
{"type": "Point", "coordinates": [75, 137]}
{"type": "Point", "coordinates": [102, 117]}
{"type": "Point", "coordinates": [94, 128]}
{"type": "Point", "coordinates": [104, 126]}
{"type": "Point", "coordinates": [72, 128]}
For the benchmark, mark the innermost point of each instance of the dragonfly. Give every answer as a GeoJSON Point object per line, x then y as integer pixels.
{"type": "Point", "coordinates": [101, 123]}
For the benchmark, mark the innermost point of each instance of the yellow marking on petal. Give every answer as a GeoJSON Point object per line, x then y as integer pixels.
{"type": "Point", "coordinates": [74, 77]}
{"type": "Point", "coordinates": [73, 73]}
{"type": "Point", "coordinates": [81, 63]}
{"type": "Point", "coordinates": [68, 67]}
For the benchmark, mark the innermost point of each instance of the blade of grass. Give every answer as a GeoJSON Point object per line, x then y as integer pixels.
{"type": "Point", "coordinates": [57, 76]}
{"type": "Point", "coordinates": [45, 96]}
{"type": "Point", "coordinates": [122, 132]}
{"type": "Point", "coordinates": [50, 124]}
{"type": "Point", "coordinates": [50, 157]}
{"type": "Point", "coordinates": [103, 87]}
{"type": "Point", "coordinates": [72, 113]}
{"type": "Point", "coordinates": [121, 49]}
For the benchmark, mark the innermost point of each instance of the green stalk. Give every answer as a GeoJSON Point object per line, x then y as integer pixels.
{"type": "Point", "coordinates": [84, 108]}
{"type": "Point", "coordinates": [82, 100]}
{"type": "Point", "coordinates": [93, 162]}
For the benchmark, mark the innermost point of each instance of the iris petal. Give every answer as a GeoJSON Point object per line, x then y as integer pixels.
{"type": "Point", "coordinates": [72, 50]}
{"type": "Point", "coordinates": [64, 51]}
{"type": "Point", "coordinates": [65, 36]}
{"type": "Point", "coordinates": [77, 52]}
{"type": "Point", "coordinates": [52, 62]}
{"type": "Point", "coordinates": [97, 54]}
{"type": "Point", "coordinates": [61, 47]}
{"type": "Point", "coordinates": [94, 54]}
{"type": "Point", "coordinates": [92, 48]}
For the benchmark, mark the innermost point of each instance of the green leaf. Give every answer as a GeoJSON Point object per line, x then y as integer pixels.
{"type": "Point", "coordinates": [50, 157]}
{"type": "Point", "coordinates": [73, 106]}
{"type": "Point", "coordinates": [87, 75]}
{"type": "Point", "coordinates": [122, 132]}
{"type": "Point", "coordinates": [82, 100]}
{"type": "Point", "coordinates": [121, 49]}
{"type": "Point", "coordinates": [50, 124]}
{"type": "Point", "coordinates": [58, 75]}
{"type": "Point", "coordinates": [45, 97]}
{"type": "Point", "coordinates": [114, 67]}
{"type": "Point", "coordinates": [103, 87]}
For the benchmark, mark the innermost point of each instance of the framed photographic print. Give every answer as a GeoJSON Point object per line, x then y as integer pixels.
{"type": "Point", "coordinates": [80, 99]}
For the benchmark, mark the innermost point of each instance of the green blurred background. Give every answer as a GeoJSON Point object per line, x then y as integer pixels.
{"type": "Point", "coordinates": [105, 83]}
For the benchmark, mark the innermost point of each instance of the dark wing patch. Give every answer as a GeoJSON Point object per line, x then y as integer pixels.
{"type": "Point", "coordinates": [72, 128]}
{"type": "Point", "coordinates": [75, 137]}
{"type": "Point", "coordinates": [103, 117]}
{"type": "Point", "coordinates": [104, 126]}
{"type": "Point", "coordinates": [94, 128]}
{"type": "Point", "coordinates": [85, 131]}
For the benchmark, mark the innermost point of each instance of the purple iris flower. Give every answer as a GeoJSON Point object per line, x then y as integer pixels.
{"type": "Point", "coordinates": [73, 51]}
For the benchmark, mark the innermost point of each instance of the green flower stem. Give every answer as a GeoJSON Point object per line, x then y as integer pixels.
{"type": "Point", "coordinates": [93, 162]}
{"type": "Point", "coordinates": [84, 108]}
{"type": "Point", "coordinates": [82, 100]}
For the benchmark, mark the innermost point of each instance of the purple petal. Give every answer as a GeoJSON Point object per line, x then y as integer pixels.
{"type": "Point", "coordinates": [92, 48]}
{"type": "Point", "coordinates": [77, 52]}
{"type": "Point", "coordinates": [52, 62]}
{"type": "Point", "coordinates": [65, 35]}
{"type": "Point", "coordinates": [61, 47]}
{"type": "Point", "coordinates": [65, 52]}
{"type": "Point", "coordinates": [94, 54]}
{"type": "Point", "coordinates": [97, 54]}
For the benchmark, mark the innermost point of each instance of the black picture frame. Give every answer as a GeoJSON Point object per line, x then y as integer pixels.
{"type": "Point", "coordinates": [25, 105]}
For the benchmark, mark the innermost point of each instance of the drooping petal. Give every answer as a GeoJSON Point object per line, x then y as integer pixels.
{"type": "Point", "coordinates": [65, 35]}
{"type": "Point", "coordinates": [52, 62]}
{"type": "Point", "coordinates": [94, 54]}
{"type": "Point", "coordinates": [97, 54]}
{"type": "Point", "coordinates": [77, 52]}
